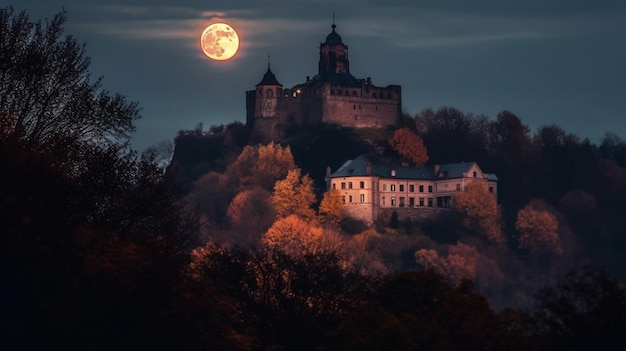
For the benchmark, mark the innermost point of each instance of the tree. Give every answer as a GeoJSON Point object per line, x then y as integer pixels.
{"type": "Point", "coordinates": [538, 231]}
{"type": "Point", "coordinates": [250, 214]}
{"type": "Point", "coordinates": [261, 166]}
{"type": "Point", "coordinates": [410, 146]}
{"type": "Point", "coordinates": [331, 208]}
{"type": "Point", "coordinates": [294, 196]}
{"type": "Point", "coordinates": [480, 211]}
{"type": "Point", "coordinates": [47, 99]}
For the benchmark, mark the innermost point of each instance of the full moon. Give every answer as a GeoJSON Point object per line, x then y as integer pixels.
{"type": "Point", "coordinates": [219, 41]}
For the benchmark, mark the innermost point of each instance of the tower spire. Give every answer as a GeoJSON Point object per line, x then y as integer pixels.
{"type": "Point", "coordinates": [268, 61]}
{"type": "Point", "coordinates": [333, 26]}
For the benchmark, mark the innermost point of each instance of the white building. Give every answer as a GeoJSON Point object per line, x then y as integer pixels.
{"type": "Point", "coordinates": [372, 189]}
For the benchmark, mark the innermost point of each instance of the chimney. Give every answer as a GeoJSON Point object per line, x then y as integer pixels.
{"type": "Point", "coordinates": [368, 169]}
{"type": "Point", "coordinates": [327, 171]}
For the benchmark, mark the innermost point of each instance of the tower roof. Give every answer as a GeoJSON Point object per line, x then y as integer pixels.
{"type": "Point", "coordinates": [333, 37]}
{"type": "Point", "coordinates": [269, 78]}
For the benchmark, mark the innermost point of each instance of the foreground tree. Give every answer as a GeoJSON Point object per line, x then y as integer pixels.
{"type": "Point", "coordinates": [47, 98]}
{"type": "Point", "coordinates": [331, 208]}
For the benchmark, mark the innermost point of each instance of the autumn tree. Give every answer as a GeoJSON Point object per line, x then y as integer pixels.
{"type": "Point", "coordinates": [250, 214]}
{"type": "Point", "coordinates": [294, 236]}
{"type": "Point", "coordinates": [480, 210]}
{"type": "Point", "coordinates": [294, 196]}
{"type": "Point", "coordinates": [47, 97]}
{"type": "Point", "coordinates": [261, 165]}
{"type": "Point", "coordinates": [538, 230]}
{"type": "Point", "coordinates": [410, 146]}
{"type": "Point", "coordinates": [331, 208]}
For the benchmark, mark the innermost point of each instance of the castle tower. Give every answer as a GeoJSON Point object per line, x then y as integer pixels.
{"type": "Point", "coordinates": [268, 91]}
{"type": "Point", "coordinates": [333, 55]}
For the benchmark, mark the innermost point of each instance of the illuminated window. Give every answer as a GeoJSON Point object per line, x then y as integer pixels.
{"type": "Point", "coordinates": [393, 201]}
{"type": "Point", "coordinates": [362, 197]}
{"type": "Point", "coordinates": [393, 187]}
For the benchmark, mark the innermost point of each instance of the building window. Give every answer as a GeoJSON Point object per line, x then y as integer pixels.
{"type": "Point", "coordinates": [343, 185]}
{"type": "Point", "coordinates": [402, 202]}
{"type": "Point", "coordinates": [411, 188]}
{"type": "Point", "coordinates": [354, 107]}
{"type": "Point", "coordinates": [430, 188]}
{"type": "Point", "coordinates": [422, 201]}
{"type": "Point", "coordinates": [439, 201]}
{"type": "Point", "coordinates": [401, 187]}
{"type": "Point", "coordinates": [350, 198]}
{"type": "Point", "coordinates": [421, 188]}
{"type": "Point", "coordinates": [393, 201]}
{"type": "Point", "coordinates": [491, 189]}
{"type": "Point", "coordinates": [411, 202]}
{"type": "Point", "coordinates": [430, 202]}
{"type": "Point", "coordinates": [334, 186]}
{"type": "Point", "coordinates": [383, 201]}
{"type": "Point", "coordinates": [349, 185]}
{"type": "Point", "coordinates": [270, 93]}
{"type": "Point", "coordinates": [384, 187]}
{"type": "Point", "coordinates": [343, 199]}
{"type": "Point", "coordinates": [362, 198]}
{"type": "Point", "coordinates": [393, 187]}
{"type": "Point", "coordinates": [393, 172]}
{"type": "Point", "coordinates": [458, 187]}
{"type": "Point", "coordinates": [474, 174]}
{"type": "Point", "coordinates": [362, 185]}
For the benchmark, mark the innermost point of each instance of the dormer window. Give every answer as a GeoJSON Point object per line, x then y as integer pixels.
{"type": "Point", "coordinates": [393, 172]}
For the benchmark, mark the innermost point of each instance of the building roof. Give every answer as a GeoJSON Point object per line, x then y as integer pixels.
{"type": "Point", "coordinates": [333, 37]}
{"type": "Point", "coordinates": [364, 165]}
{"type": "Point", "coordinates": [269, 78]}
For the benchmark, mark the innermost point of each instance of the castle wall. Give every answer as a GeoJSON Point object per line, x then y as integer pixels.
{"type": "Point", "coordinates": [362, 107]}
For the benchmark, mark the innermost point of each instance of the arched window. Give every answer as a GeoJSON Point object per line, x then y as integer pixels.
{"type": "Point", "coordinates": [270, 93]}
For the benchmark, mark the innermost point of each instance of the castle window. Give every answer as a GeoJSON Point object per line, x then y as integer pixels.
{"type": "Point", "coordinates": [402, 202]}
{"type": "Point", "coordinates": [384, 187]}
{"type": "Point", "coordinates": [383, 201]}
{"type": "Point", "coordinates": [334, 186]}
{"type": "Point", "coordinates": [354, 107]}
{"type": "Point", "coordinates": [393, 187]}
{"type": "Point", "coordinates": [411, 188]}
{"type": "Point", "coordinates": [430, 202]}
{"type": "Point", "coordinates": [343, 199]}
{"type": "Point", "coordinates": [421, 188]}
{"type": "Point", "coordinates": [430, 188]}
{"type": "Point", "coordinates": [362, 198]}
{"type": "Point", "coordinates": [474, 174]}
{"type": "Point", "coordinates": [350, 198]}
{"type": "Point", "coordinates": [270, 93]}
{"type": "Point", "coordinates": [343, 185]}
{"type": "Point", "coordinates": [349, 185]}
{"type": "Point", "coordinates": [401, 187]}
{"type": "Point", "coordinates": [411, 202]}
{"type": "Point", "coordinates": [491, 189]}
{"type": "Point", "coordinates": [393, 201]}
{"type": "Point", "coordinates": [422, 201]}
{"type": "Point", "coordinates": [362, 185]}
{"type": "Point", "coordinates": [260, 93]}
{"type": "Point", "coordinates": [458, 187]}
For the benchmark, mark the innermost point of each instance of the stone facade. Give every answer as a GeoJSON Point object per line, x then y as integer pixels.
{"type": "Point", "coordinates": [372, 189]}
{"type": "Point", "coordinates": [333, 96]}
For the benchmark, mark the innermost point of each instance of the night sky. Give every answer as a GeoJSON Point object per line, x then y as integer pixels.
{"type": "Point", "coordinates": [549, 62]}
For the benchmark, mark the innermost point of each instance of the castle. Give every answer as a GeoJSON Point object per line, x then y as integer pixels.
{"type": "Point", "coordinates": [332, 96]}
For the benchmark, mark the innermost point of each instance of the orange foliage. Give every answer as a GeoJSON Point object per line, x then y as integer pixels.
{"type": "Point", "coordinates": [331, 208]}
{"type": "Point", "coordinates": [294, 196]}
{"type": "Point", "coordinates": [410, 146]}
{"type": "Point", "coordinates": [538, 230]}
{"type": "Point", "coordinates": [481, 212]}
